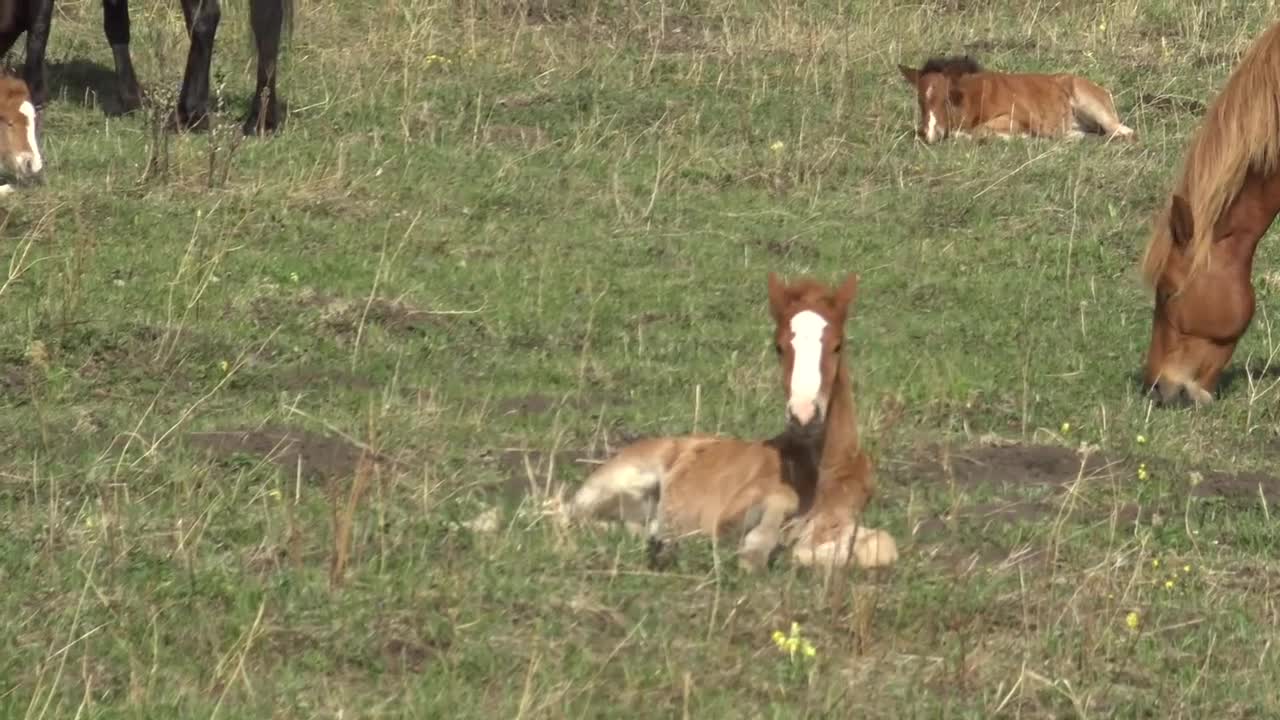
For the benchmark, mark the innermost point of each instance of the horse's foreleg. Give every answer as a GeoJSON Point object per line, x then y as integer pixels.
{"type": "Point", "coordinates": [759, 542]}
{"type": "Point", "coordinates": [202, 18]}
{"type": "Point", "coordinates": [266, 110]}
{"type": "Point", "coordinates": [1002, 127]}
{"type": "Point", "coordinates": [115, 25]}
{"type": "Point", "coordinates": [37, 40]}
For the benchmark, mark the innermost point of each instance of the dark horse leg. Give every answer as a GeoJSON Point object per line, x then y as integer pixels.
{"type": "Point", "coordinates": [266, 110]}
{"type": "Point", "coordinates": [115, 23]}
{"type": "Point", "coordinates": [202, 18]}
{"type": "Point", "coordinates": [39, 18]}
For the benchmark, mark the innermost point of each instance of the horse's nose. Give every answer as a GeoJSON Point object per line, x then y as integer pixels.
{"type": "Point", "coordinates": [806, 417]}
{"type": "Point", "coordinates": [31, 167]}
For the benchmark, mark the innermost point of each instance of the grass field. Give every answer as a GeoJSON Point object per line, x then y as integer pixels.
{"type": "Point", "coordinates": [496, 240]}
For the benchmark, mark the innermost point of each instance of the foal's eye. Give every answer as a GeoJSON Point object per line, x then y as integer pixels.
{"type": "Point", "coordinates": [777, 348]}
{"type": "Point", "coordinates": [837, 348]}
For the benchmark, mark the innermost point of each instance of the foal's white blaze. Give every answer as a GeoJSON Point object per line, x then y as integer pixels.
{"type": "Point", "coordinates": [806, 368]}
{"type": "Point", "coordinates": [931, 119]}
{"type": "Point", "coordinates": [29, 112]}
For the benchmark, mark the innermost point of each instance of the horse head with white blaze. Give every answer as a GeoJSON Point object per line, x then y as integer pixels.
{"type": "Point", "coordinates": [19, 150]}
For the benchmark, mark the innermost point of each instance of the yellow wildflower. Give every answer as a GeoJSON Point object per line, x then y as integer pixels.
{"type": "Point", "coordinates": [1066, 428]}
{"type": "Point", "coordinates": [1168, 584]}
{"type": "Point", "coordinates": [1186, 568]}
{"type": "Point", "coordinates": [1142, 471]}
{"type": "Point", "coordinates": [1155, 562]}
{"type": "Point", "coordinates": [1132, 620]}
{"type": "Point", "coordinates": [793, 643]}
{"type": "Point", "coordinates": [777, 146]}
{"type": "Point", "coordinates": [1142, 439]}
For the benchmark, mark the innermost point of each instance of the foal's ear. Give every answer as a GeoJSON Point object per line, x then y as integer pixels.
{"type": "Point", "coordinates": [848, 290]}
{"type": "Point", "coordinates": [911, 76]}
{"type": "Point", "coordinates": [777, 295]}
{"type": "Point", "coordinates": [1181, 226]}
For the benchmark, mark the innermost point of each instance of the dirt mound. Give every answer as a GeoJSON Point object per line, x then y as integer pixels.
{"type": "Point", "coordinates": [319, 456]}
{"type": "Point", "coordinates": [1006, 468]}
{"type": "Point", "coordinates": [1247, 488]}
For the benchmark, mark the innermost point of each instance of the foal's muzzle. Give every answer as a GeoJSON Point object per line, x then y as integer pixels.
{"type": "Point", "coordinates": [813, 426]}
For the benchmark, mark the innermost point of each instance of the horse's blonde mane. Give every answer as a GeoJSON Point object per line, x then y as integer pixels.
{"type": "Point", "coordinates": [1240, 133]}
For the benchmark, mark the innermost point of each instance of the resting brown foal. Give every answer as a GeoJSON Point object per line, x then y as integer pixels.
{"type": "Point", "coordinates": [1199, 259]}
{"type": "Point", "coordinates": [958, 98]}
{"type": "Point", "coordinates": [806, 488]}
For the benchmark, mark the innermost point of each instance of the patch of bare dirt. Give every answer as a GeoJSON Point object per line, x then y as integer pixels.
{"type": "Point", "coordinates": [790, 248]}
{"type": "Point", "coordinates": [681, 33]}
{"type": "Point", "coordinates": [983, 47]}
{"type": "Point", "coordinates": [1248, 488]}
{"type": "Point", "coordinates": [1216, 59]}
{"type": "Point", "coordinates": [1005, 468]}
{"type": "Point", "coordinates": [540, 403]}
{"type": "Point", "coordinates": [526, 469]}
{"type": "Point", "coordinates": [1174, 104]}
{"type": "Point", "coordinates": [317, 456]}
{"type": "Point", "coordinates": [519, 135]}
{"type": "Point", "coordinates": [343, 316]}
{"type": "Point", "coordinates": [15, 378]}
{"type": "Point", "coordinates": [306, 377]}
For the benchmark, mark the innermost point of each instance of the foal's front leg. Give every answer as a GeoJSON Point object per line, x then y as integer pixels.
{"type": "Point", "coordinates": [760, 540]}
{"type": "Point", "coordinates": [1002, 127]}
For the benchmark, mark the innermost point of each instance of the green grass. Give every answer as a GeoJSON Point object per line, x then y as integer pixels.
{"type": "Point", "coordinates": [491, 228]}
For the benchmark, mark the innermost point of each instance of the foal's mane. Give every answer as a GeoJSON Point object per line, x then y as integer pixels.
{"type": "Point", "coordinates": [1240, 133]}
{"type": "Point", "coordinates": [952, 66]}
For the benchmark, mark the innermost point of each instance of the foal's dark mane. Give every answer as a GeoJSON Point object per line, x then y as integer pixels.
{"type": "Point", "coordinates": [954, 66]}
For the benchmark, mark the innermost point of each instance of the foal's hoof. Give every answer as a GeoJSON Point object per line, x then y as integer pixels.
{"type": "Point", "coordinates": [660, 556]}
{"type": "Point", "coordinates": [874, 549]}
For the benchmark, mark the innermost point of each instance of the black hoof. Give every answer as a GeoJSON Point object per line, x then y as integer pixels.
{"type": "Point", "coordinates": [188, 121]}
{"type": "Point", "coordinates": [265, 122]}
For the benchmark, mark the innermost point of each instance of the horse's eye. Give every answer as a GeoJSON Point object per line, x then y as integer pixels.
{"type": "Point", "coordinates": [838, 348]}
{"type": "Point", "coordinates": [777, 348]}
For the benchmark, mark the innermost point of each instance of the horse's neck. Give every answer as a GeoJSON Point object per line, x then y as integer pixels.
{"type": "Point", "coordinates": [840, 442]}
{"type": "Point", "coordinates": [1249, 216]}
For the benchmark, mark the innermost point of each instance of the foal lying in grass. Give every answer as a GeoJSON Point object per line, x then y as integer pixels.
{"type": "Point", "coordinates": [805, 488]}
{"type": "Point", "coordinates": [958, 98]}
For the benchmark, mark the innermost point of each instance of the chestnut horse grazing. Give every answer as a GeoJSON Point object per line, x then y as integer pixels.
{"type": "Point", "coordinates": [957, 97]}
{"type": "Point", "coordinates": [1199, 259]}
{"type": "Point", "coordinates": [806, 488]}
{"type": "Point", "coordinates": [19, 151]}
